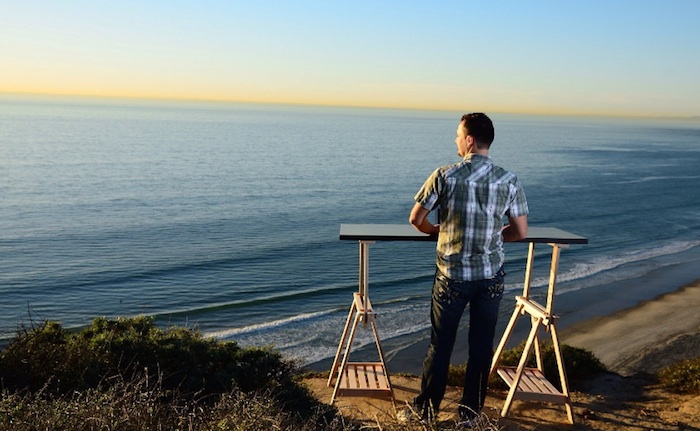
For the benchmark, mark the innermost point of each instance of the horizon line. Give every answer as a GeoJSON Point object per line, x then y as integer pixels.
{"type": "Point", "coordinates": [340, 105]}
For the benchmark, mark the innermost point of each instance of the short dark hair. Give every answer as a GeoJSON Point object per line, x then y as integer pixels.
{"type": "Point", "coordinates": [480, 127]}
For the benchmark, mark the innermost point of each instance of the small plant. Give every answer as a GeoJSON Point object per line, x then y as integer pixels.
{"type": "Point", "coordinates": [580, 364]}
{"type": "Point", "coordinates": [682, 377]}
{"type": "Point", "coordinates": [455, 374]}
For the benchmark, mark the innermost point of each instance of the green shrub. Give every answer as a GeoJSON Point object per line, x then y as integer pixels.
{"type": "Point", "coordinates": [580, 364]}
{"type": "Point", "coordinates": [57, 362]}
{"type": "Point", "coordinates": [455, 374]}
{"type": "Point", "coordinates": [682, 377]}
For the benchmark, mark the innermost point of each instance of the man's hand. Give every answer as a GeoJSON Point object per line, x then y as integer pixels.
{"type": "Point", "coordinates": [516, 229]}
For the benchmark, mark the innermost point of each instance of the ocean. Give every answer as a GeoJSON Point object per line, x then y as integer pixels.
{"type": "Point", "coordinates": [225, 217]}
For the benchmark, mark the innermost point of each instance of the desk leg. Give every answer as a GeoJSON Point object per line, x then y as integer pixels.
{"type": "Point", "coordinates": [528, 269]}
{"type": "Point", "coordinates": [381, 358]}
{"type": "Point", "coordinates": [502, 344]}
{"type": "Point", "coordinates": [562, 373]}
{"type": "Point", "coordinates": [556, 251]}
{"type": "Point", "coordinates": [538, 352]}
{"type": "Point", "coordinates": [343, 338]}
{"type": "Point", "coordinates": [518, 309]}
{"type": "Point", "coordinates": [344, 364]}
{"type": "Point", "coordinates": [363, 282]}
{"type": "Point", "coordinates": [521, 366]}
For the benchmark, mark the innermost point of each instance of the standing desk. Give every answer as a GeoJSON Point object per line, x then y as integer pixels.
{"type": "Point", "coordinates": [524, 383]}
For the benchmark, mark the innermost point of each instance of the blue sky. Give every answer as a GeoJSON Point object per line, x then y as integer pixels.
{"type": "Point", "coordinates": [595, 57]}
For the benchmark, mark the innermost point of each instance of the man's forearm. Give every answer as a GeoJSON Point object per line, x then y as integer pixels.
{"type": "Point", "coordinates": [426, 227]}
{"type": "Point", "coordinates": [419, 220]}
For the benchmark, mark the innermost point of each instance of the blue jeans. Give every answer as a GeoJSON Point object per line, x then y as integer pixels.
{"type": "Point", "coordinates": [450, 298]}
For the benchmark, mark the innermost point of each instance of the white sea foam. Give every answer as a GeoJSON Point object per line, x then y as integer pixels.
{"type": "Point", "coordinates": [609, 263]}
{"type": "Point", "coordinates": [657, 178]}
{"type": "Point", "coordinates": [227, 333]}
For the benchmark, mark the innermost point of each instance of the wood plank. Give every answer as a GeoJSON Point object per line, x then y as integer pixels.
{"type": "Point", "coordinates": [382, 381]}
{"type": "Point", "coordinates": [540, 397]}
{"type": "Point", "coordinates": [371, 377]}
{"type": "Point", "coordinates": [352, 378]}
{"type": "Point", "coordinates": [541, 385]}
{"type": "Point", "coordinates": [537, 385]}
{"type": "Point", "coordinates": [362, 378]}
{"type": "Point", "coordinates": [527, 384]}
{"type": "Point", "coordinates": [545, 385]}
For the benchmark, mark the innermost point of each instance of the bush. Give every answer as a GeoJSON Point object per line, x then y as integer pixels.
{"type": "Point", "coordinates": [580, 364]}
{"type": "Point", "coordinates": [682, 377]}
{"type": "Point", "coordinates": [56, 362]}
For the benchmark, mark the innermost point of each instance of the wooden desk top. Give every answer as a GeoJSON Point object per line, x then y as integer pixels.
{"type": "Point", "coordinates": [406, 232]}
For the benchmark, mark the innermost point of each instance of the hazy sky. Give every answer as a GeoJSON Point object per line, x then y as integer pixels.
{"type": "Point", "coordinates": [596, 57]}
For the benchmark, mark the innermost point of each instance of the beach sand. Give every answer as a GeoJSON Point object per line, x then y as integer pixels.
{"type": "Point", "coordinates": [644, 338]}
{"type": "Point", "coordinates": [632, 343]}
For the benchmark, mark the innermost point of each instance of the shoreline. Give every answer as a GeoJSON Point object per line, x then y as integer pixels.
{"type": "Point", "coordinates": [633, 325]}
{"type": "Point", "coordinates": [644, 338]}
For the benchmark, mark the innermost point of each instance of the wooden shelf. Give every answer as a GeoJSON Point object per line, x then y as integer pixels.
{"type": "Point", "coordinates": [533, 385]}
{"type": "Point", "coordinates": [365, 376]}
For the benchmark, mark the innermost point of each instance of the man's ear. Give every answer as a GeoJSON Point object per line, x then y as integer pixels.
{"type": "Point", "coordinates": [471, 143]}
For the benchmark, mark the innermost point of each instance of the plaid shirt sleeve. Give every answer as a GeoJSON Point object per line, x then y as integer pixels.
{"type": "Point", "coordinates": [429, 194]}
{"type": "Point", "coordinates": [518, 203]}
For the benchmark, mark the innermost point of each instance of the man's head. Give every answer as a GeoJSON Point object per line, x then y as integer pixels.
{"type": "Point", "coordinates": [475, 130]}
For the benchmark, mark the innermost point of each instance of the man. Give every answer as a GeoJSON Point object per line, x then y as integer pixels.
{"type": "Point", "coordinates": [472, 198]}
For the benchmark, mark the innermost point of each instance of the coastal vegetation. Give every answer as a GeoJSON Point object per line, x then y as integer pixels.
{"type": "Point", "coordinates": [682, 377]}
{"type": "Point", "coordinates": [128, 374]}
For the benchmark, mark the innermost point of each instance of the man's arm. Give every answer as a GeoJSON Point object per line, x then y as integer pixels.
{"type": "Point", "coordinates": [516, 229]}
{"type": "Point", "coordinates": [419, 220]}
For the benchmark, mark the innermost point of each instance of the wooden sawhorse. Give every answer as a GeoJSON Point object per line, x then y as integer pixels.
{"type": "Point", "coordinates": [527, 383]}
{"type": "Point", "coordinates": [524, 383]}
{"type": "Point", "coordinates": [360, 376]}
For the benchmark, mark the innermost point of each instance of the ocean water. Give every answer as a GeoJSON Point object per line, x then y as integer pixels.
{"type": "Point", "coordinates": [225, 217]}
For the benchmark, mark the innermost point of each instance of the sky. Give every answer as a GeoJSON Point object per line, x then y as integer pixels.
{"type": "Point", "coordinates": [595, 57]}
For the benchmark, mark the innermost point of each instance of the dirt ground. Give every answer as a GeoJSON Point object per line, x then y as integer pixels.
{"type": "Point", "coordinates": [608, 402]}
{"type": "Point", "coordinates": [633, 344]}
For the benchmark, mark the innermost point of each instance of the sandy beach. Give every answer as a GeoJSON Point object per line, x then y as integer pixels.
{"type": "Point", "coordinates": [632, 343]}
{"type": "Point", "coordinates": [644, 338]}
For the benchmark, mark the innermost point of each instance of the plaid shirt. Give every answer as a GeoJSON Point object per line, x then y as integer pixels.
{"type": "Point", "coordinates": [472, 196]}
